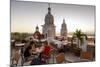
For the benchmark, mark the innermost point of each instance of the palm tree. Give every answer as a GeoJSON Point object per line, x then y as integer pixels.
{"type": "Point", "coordinates": [79, 34]}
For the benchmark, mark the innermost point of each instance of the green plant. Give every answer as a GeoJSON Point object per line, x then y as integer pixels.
{"type": "Point", "coordinates": [78, 34]}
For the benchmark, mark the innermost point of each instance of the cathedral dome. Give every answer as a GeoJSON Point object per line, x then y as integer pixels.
{"type": "Point", "coordinates": [49, 19]}
{"type": "Point", "coordinates": [37, 34]}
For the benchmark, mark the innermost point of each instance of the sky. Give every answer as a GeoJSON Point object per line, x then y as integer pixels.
{"type": "Point", "coordinates": [26, 15]}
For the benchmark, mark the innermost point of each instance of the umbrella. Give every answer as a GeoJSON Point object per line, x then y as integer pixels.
{"type": "Point", "coordinates": [20, 44]}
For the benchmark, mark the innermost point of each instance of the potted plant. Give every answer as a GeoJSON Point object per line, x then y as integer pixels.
{"type": "Point", "coordinates": [79, 35]}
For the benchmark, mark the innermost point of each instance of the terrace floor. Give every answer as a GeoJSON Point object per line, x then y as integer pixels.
{"type": "Point", "coordinates": [68, 56]}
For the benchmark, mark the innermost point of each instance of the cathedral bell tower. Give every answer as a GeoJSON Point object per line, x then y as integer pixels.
{"type": "Point", "coordinates": [64, 29]}
{"type": "Point", "coordinates": [48, 28]}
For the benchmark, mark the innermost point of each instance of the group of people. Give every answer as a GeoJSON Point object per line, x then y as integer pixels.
{"type": "Point", "coordinates": [40, 53]}
{"type": "Point", "coordinates": [36, 53]}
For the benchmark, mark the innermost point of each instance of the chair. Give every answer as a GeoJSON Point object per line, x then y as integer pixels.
{"type": "Point", "coordinates": [87, 55]}
{"type": "Point", "coordinates": [60, 58]}
{"type": "Point", "coordinates": [16, 58]}
{"type": "Point", "coordinates": [53, 52]}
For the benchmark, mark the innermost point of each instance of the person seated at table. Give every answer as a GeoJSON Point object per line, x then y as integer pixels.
{"type": "Point", "coordinates": [28, 50]}
{"type": "Point", "coordinates": [46, 52]}
{"type": "Point", "coordinates": [37, 55]}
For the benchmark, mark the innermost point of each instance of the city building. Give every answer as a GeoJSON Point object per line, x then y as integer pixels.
{"type": "Point", "coordinates": [64, 30]}
{"type": "Point", "coordinates": [48, 29]}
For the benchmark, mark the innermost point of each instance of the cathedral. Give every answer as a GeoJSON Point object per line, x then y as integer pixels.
{"type": "Point", "coordinates": [49, 27]}
{"type": "Point", "coordinates": [64, 30]}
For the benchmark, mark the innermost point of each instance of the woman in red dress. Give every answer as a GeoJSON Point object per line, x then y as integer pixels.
{"type": "Point", "coordinates": [46, 52]}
